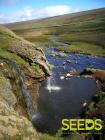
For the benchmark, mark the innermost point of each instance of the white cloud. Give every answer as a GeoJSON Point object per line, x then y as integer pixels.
{"type": "Point", "coordinates": [29, 13]}
{"type": "Point", "coordinates": [55, 10]}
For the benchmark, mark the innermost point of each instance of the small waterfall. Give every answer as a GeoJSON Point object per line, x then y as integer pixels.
{"type": "Point", "coordinates": [16, 73]}
{"type": "Point", "coordinates": [51, 84]}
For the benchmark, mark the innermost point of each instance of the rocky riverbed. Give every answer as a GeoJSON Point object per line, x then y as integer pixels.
{"type": "Point", "coordinates": [76, 78]}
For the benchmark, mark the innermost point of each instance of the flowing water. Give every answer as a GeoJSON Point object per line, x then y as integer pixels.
{"type": "Point", "coordinates": [52, 85]}
{"type": "Point", "coordinates": [61, 97]}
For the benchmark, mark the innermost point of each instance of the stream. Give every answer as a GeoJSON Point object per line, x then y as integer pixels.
{"type": "Point", "coordinates": [61, 97]}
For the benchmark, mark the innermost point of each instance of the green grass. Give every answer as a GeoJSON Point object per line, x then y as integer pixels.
{"type": "Point", "coordinates": [92, 37]}
{"type": "Point", "coordinates": [99, 100]}
{"type": "Point", "coordinates": [36, 68]}
{"type": "Point", "coordinates": [83, 48]}
{"type": "Point", "coordinates": [48, 137]}
{"type": "Point", "coordinates": [12, 56]}
{"type": "Point", "coordinates": [7, 40]}
{"type": "Point", "coordinates": [91, 106]}
{"type": "Point", "coordinates": [52, 53]}
{"type": "Point", "coordinates": [41, 38]}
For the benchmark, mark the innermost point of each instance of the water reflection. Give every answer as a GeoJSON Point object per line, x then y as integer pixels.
{"type": "Point", "coordinates": [54, 105]}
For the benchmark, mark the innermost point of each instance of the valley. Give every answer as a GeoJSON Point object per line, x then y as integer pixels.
{"type": "Point", "coordinates": [54, 68]}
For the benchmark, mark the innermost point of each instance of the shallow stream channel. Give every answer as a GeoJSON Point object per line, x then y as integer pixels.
{"type": "Point", "coordinates": [61, 97]}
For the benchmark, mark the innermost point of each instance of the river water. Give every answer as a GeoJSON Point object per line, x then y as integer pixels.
{"type": "Point", "coordinates": [63, 98]}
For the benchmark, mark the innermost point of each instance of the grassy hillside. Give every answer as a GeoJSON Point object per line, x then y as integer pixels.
{"type": "Point", "coordinates": [22, 51]}
{"type": "Point", "coordinates": [85, 31]}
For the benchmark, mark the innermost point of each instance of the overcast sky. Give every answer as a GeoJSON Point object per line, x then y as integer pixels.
{"type": "Point", "coordinates": [20, 10]}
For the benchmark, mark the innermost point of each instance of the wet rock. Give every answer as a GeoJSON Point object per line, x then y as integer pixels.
{"type": "Point", "coordinates": [62, 54]}
{"type": "Point", "coordinates": [74, 72]}
{"type": "Point", "coordinates": [14, 126]}
{"type": "Point", "coordinates": [6, 90]}
{"type": "Point", "coordinates": [13, 116]}
{"type": "Point", "coordinates": [68, 61]}
{"type": "Point", "coordinates": [64, 63]}
{"type": "Point", "coordinates": [68, 75]}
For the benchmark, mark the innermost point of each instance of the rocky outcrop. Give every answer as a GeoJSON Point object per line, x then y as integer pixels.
{"type": "Point", "coordinates": [14, 104]}
{"type": "Point", "coordinates": [22, 67]}
{"type": "Point", "coordinates": [28, 51]}
{"type": "Point", "coordinates": [24, 62]}
{"type": "Point", "coordinates": [14, 126]}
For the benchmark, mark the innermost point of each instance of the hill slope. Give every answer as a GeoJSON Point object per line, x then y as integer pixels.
{"type": "Point", "coordinates": [20, 50]}
{"type": "Point", "coordinates": [82, 30]}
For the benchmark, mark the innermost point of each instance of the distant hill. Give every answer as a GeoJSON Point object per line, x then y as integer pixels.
{"type": "Point", "coordinates": [81, 27]}
{"type": "Point", "coordinates": [85, 16]}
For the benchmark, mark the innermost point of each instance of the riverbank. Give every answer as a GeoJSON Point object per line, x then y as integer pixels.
{"type": "Point", "coordinates": [96, 107]}
{"type": "Point", "coordinates": [83, 48]}
{"type": "Point", "coordinates": [21, 73]}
